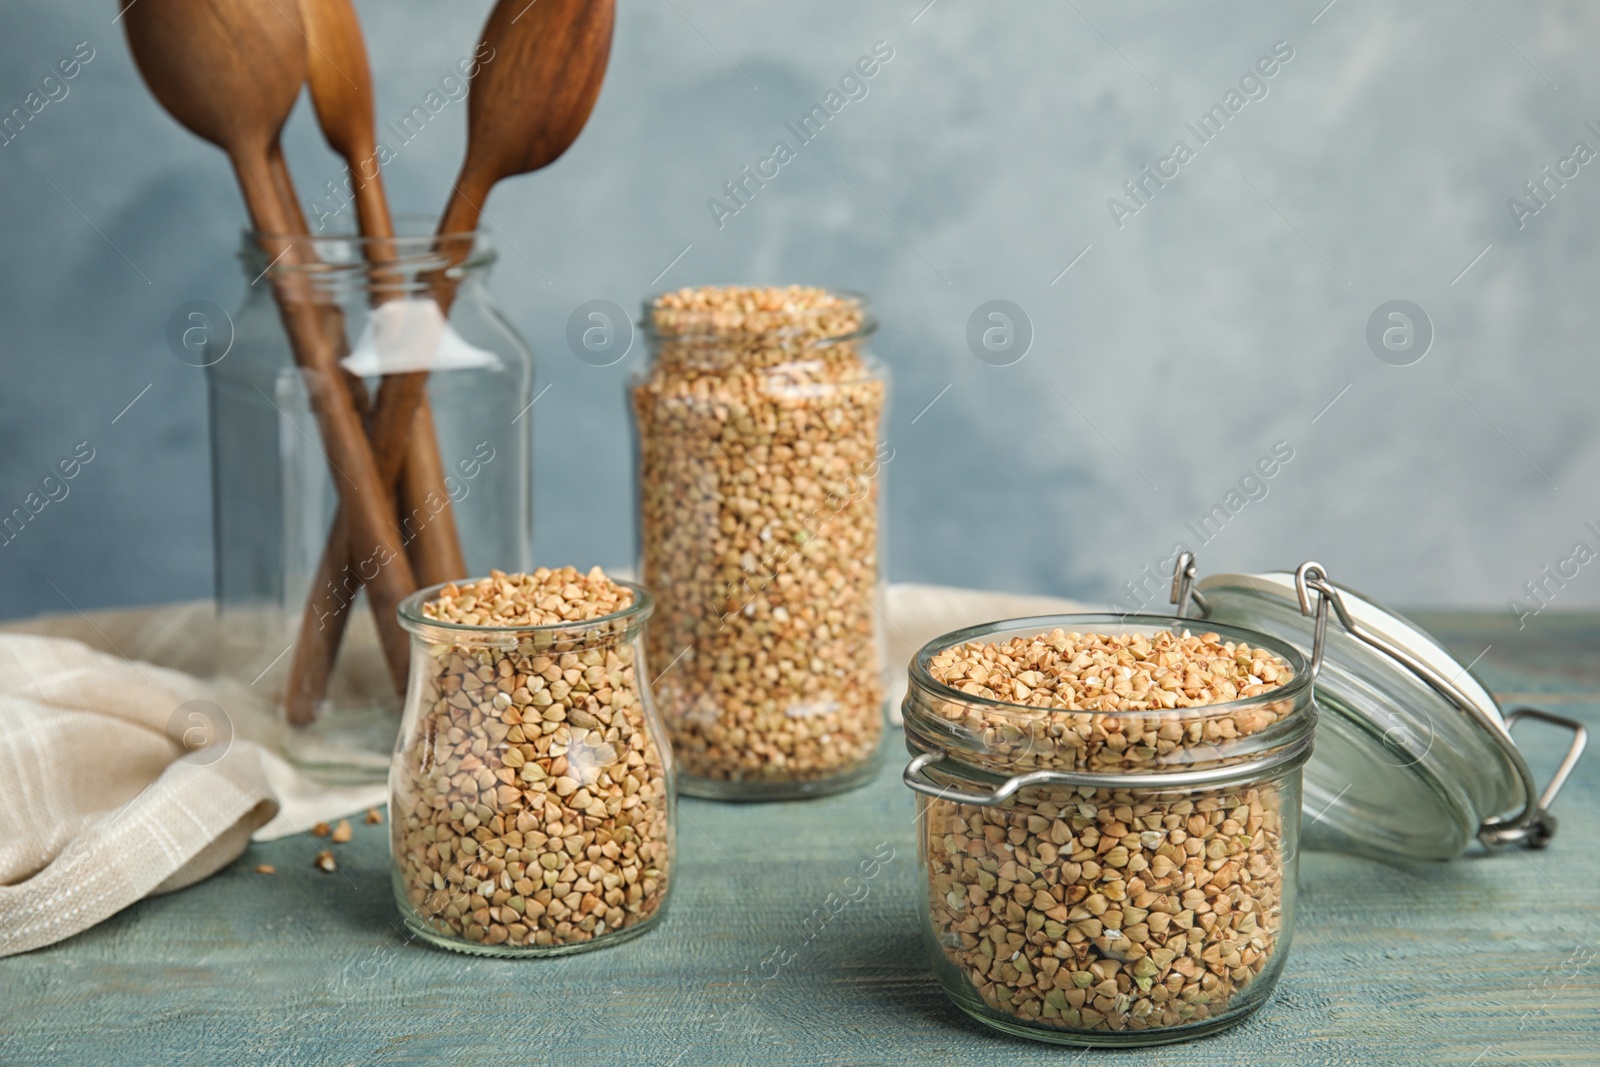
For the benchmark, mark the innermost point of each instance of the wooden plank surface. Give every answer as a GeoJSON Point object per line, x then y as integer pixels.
{"type": "Point", "coordinates": [1487, 960]}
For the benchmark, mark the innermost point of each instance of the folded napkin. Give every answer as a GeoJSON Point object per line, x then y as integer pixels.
{"type": "Point", "coordinates": [121, 777]}
{"type": "Point", "coordinates": [102, 801]}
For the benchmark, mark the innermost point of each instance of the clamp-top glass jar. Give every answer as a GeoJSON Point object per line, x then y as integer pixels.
{"type": "Point", "coordinates": [1119, 877]}
{"type": "Point", "coordinates": [759, 479]}
{"type": "Point", "coordinates": [1043, 826]}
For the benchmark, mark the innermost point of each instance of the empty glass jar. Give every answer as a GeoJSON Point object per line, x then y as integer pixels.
{"type": "Point", "coordinates": [273, 495]}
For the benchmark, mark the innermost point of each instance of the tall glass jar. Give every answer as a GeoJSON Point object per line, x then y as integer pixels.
{"type": "Point", "coordinates": [1107, 878]}
{"type": "Point", "coordinates": [759, 422]}
{"type": "Point", "coordinates": [531, 797]}
{"type": "Point", "coordinates": [273, 496]}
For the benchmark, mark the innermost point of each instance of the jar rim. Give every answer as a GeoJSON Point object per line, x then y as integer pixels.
{"type": "Point", "coordinates": [868, 327]}
{"type": "Point", "coordinates": [988, 751]}
{"type": "Point", "coordinates": [922, 678]}
{"type": "Point", "coordinates": [1274, 763]}
{"type": "Point", "coordinates": [415, 247]}
{"type": "Point", "coordinates": [415, 622]}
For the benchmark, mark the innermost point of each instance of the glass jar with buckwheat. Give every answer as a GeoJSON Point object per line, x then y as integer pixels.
{"type": "Point", "coordinates": [1108, 822]}
{"type": "Point", "coordinates": [531, 793]}
{"type": "Point", "coordinates": [759, 422]}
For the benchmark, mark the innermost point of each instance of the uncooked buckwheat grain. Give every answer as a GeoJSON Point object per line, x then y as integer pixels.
{"type": "Point", "coordinates": [531, 806]}
{"type": "Point", "coordinates": [759, 425]}
{"type": "Point", "coordinates": [1080, 682]}
{"type": "Point", "coordinates": [1109, 909]}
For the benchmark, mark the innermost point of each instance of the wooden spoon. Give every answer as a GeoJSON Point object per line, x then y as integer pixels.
{"type": "Point", "coordinates": [323, 621]}
{"type": "Point", "coordinates": [532, 95]}
{"type": "Point", "coordinates": [342, 96]}
{"type": "Point", "coordinates": [230, 71]}
{"type": "Point", "coordinates": [530, 99]}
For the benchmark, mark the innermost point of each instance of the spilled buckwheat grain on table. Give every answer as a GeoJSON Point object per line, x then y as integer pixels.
{"type": "Point", "coordinates": [1109, 909]}
{"type": "Point", "coordinates": [532, 800]}
{"type": "Point", "coordinates": [758, 428]}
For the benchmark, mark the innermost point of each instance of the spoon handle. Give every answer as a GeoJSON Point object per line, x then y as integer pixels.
{"type": "Point", "coordinates": [362, 493]}
{"type": "Point", "coordinates": [337, 579]}
{"type": "Point", "coordinates": [401, 429]}
{"type": "Point", "coordinates": [400, 425]}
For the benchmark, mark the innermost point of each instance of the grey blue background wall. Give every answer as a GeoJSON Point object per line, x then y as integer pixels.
{"type": "Point", "coordinates": [1172, 347]}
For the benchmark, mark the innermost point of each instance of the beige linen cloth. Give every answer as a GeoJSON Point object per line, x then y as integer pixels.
{"type": "Point", "coordinates": [100, 806]}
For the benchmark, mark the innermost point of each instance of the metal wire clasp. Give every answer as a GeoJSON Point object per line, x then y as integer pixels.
{"type": "Point", "coordinates": [1310, 577]}
{"type": "Point", "coordinates": [1183, 575]}
{"type": "Point", "coordinates": [1279, 761]}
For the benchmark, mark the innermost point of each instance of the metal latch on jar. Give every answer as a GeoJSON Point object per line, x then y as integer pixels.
{"type": "Point", "coordinates": [1533, 826]}
{"type": "Point", "coordinates": [1285, 758]}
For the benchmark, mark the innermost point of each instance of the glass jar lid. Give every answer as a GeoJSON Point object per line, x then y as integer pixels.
{"type": "Point", "coordinates": [1414, 758]}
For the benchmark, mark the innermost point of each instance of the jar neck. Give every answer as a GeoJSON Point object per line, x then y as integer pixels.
{"type": "Point", "coordinates": [988, 737]}
{"type": "Point", "coordinates": [739, 330]}
{"type": "Point", "coordinates": [842, 358]}
{"type": "Point", "coordinates": [348, 269]}
{"type": "Point", "coordinates": [604, 632]}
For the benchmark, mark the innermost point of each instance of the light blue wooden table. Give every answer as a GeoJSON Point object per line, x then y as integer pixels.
{"type": "Point", "coordinates": [1484, 961]}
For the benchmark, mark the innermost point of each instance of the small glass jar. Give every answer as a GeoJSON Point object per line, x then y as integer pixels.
{"type": "Point", "coordinates": [760, 470]}
{"type": "Point", "coordinates": [1108, 878]}
{"type": "Point", "coordinates": [273, 496]}
{"type": "Point", "coordinates": [531, 797]}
